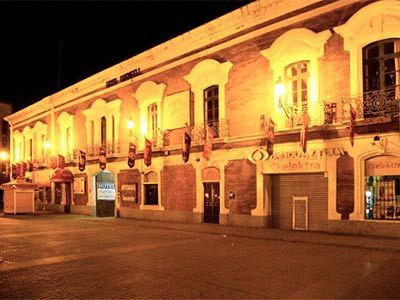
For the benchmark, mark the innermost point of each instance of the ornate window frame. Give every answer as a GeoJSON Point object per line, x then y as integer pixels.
{"type": "Point", "coordinates": [149, 93]}
{"type": "Point", "coordinates": [294, 46]}
{"type": "Point", "coordinates": [374, 22]}
{"type": "Point", "coordinates": [66, 121]}
{"type": "Point", "coordinates": [204, 74]}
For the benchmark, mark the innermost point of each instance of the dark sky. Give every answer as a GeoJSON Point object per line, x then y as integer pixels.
{"type": "Point", "coordinates": [93, 35]}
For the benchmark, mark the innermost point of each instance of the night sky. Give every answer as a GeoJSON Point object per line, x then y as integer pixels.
{"type": "Point", "coordinates": [93, 36]}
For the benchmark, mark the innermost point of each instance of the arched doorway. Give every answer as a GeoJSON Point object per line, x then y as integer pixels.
{"type": "Point", "coordinates": [105, 194]}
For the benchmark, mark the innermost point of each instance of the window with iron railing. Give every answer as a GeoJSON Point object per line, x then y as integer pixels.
{"type": "Point", "coordinates": [211, 109]}
{"type": "Point", "coordinates": [381, 76]}
{"type": "Point", "coordinates": [297, 83]}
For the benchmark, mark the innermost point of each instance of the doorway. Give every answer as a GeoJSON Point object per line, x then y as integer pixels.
{"type": "Point", "coordinates": [211, 202]}
{"type": "Point", "coordinates": [105, 194]}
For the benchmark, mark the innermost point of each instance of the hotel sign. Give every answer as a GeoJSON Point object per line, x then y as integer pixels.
{"type": "Point", "coordinates": [384, 165]}
{"type": "Point", "coordinates": [106, 191]}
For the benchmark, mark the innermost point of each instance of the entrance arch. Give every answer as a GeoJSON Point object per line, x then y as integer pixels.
{"type": "Point", "coordinates": [105, 194]}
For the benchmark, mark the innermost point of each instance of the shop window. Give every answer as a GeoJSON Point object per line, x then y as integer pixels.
{"type": "Point", "coordinates": [151, 194]}
{"type": "Point", "coordinates": [382, 188]}
{"type": "Point", "coordinates": [382, 197]}
{"type": "Point", "coordinates": [151, 188]}
{"type": "Point", "coordinates": [211, 111]}
{"type": "Point", "coordinates": [297, 83]}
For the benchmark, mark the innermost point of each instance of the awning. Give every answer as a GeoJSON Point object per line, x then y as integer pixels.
{"type": "Point", "coordinates": [62, 175]}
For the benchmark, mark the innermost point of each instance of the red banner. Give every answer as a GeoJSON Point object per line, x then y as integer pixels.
{"type": "Point", "coordinates": [131, 155]}
{"type": "Point", "coordinates": [53, 162]}
{"type": "Point", "coordinates": [61, 161]}
{"type": "Point", "coordinates": [102, 158]}
{"type": "Point", "coordinates": [353, 115]}
{"type": "Point", "coordinates": [304, 132]}
{"type": "Point", "coordinates": [23, 169]}
{"type": "Point", "coordinates": [186, 146]}
{"type": "Point", "coordinates": [17, 171]}
{"type": "Point", "coordinates": [208, 143]}
{"type": "Point", "coordinates": [270, 136]}
{"type": "Point", "coordinates": [82, 161]}
{"type": "Point", "coordinates": [147, 152]}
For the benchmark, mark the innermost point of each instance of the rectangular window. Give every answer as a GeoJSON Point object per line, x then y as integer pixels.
{"type": "Point", "coordinates": [297, 78]}
{"type": "Point", "coordinates": [152, 122]}
{"type": "Point", "coordinates": [211, 109]}
{"type": "Point", "coordinates": [381, 76]}
{"type": "Point", "coordinates": [151, 194]}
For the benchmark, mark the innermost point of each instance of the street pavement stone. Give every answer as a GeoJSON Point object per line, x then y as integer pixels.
{"type": "Point", "coordinates": [62, 256]}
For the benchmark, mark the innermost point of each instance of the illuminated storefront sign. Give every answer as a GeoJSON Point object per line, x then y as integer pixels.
{"type": "Point", "coordinates": [383, 165]}
{"type": "Point", "coordinates": [106, 191]}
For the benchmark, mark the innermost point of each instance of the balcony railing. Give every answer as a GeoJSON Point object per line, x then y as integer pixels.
{"type": "Point", "coordinates": [376, 104]}
{"type": "Point", "coordinates": [219, 128]}
{"type": "Point", "coordinates": [112, 149]}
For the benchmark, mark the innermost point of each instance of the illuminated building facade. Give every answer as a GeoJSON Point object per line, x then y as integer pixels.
{"type": "Point", "coordinates": [291, 109]}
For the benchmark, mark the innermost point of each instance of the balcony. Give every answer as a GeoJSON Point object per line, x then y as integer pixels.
{"type": "Point", "coordinates": [370, 107]}
{"type": "Point", "coordinates": [220, 129]}
{"type": "Point", "coordinates": [112, 149]}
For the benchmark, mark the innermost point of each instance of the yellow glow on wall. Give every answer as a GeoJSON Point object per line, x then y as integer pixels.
{"type": "Point", "coordinates": [143, 125]}
{"type": "Point", "coordinates": [4, 156]}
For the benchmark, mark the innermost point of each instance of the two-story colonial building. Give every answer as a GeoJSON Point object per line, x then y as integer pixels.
{"type": "Point", "coordinates": [291, 109]}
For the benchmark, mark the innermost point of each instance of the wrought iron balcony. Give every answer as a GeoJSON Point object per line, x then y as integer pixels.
{"type": "Point", "coordinates": [376, 104]}
{"type": "Point", "coordinates": [219, 128]}
{"type": "Point", "coordinates": [112, 149]}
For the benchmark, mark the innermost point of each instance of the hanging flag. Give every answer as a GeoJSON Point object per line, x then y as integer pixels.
{"type": "Point", "coordinates": [208, 143]}
{"type": "Point", "coordinates": [131, 155]}
{"type": "Point", "coordinates": [270, 136]}
{"type": "Point", "coordinates": [82, 161]}
{"type": "Point", "coordinates": [353, 115]}
{"type": "Point", "coordinates": [147, 152]}
{"type": "Point", "coordinates": [29, 166]}
{"type": "Point", "coordinates": [53, 162]}
{"type": "Point", "coordinates": [61, 161]}
{"type": "Point", "coordinates": [23, 169]}
{"type": "Point", "coordinates": [186, 146]}
{"type": "Point", "coordinates": [304, 132]}
{"type": "Point", "coordinates": [17, 171]}
{"type": "Point", "coordinates": [102, 158]}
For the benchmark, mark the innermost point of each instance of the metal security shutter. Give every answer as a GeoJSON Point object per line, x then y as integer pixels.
{"type": "Point", "coordinates": [300, 213]}
{"type": "Point", "coordinates": [286, 186]}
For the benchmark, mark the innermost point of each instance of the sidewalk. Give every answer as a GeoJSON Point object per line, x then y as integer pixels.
{"type": "Point", "coordinates": [320, 238]}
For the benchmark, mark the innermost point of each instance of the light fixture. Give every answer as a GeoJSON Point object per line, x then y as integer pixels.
{"type": "Point", "coordinates": [279, 91]}
{"type": "Point", "coordinates": [4, 155]}
{"type": "Point", "coordinates": [47, 145]}
{"type": "Point", "coordinates": [130, 124]}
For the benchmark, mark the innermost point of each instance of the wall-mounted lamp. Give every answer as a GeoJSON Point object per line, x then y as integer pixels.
{"type": "Point", "coordinates": [130, 124]}
{"type": "Point", "coordinates": [47, 145]}
{"type": "Point", "coordinates": [279, 91]}
{"type": "Point", "coordinates": [4, 156]}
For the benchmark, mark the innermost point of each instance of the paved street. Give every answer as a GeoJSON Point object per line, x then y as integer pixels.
{"type": "Point", "coordinates": [57, 256]}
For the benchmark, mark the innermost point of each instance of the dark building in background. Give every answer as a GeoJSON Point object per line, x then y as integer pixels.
{"type": "Point", "coordinates": [5, 110]}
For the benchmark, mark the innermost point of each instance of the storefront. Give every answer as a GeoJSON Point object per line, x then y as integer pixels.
{"type": "Point", "coordinates": [297, 185]}
{"type": "Point", "coordinates": [382, 188]}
